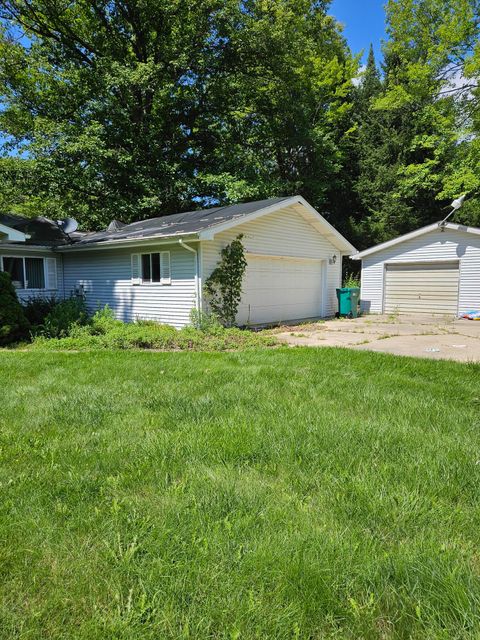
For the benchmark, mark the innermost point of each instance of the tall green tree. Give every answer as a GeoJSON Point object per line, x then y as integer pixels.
{"type": "Point", "coordinates": [136, 108]}
{"type": "Point", "coordinates": [374, 158]}
{"type": "Point", "coordinates": [406, 140]}
{"type": "Point", "coordinates": [436, 47]}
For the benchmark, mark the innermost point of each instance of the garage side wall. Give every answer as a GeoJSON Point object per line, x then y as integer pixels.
{"type": "Point", "coordinates": [283, 233]}
{"type": "Point", "coordinates": [105, 277]}
{"type": "Point", "coordinates": [434, 247]}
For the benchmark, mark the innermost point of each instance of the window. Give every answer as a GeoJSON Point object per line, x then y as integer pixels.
{"type": "Point", "coordinates": [34, 273]}
{"type": "Point", "coordinates": [156, 267]}
{"type": "Point", "coordinates": [14, 266]}
{"type": "Point", "coordinates": [26, 273]}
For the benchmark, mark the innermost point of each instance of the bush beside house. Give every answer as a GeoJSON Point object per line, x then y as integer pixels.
{"type": "Point", "coordinates": [65, 325]}
{"type": "Point", "coordinates": [104, 331]}
{"type": "Point", "coordinates": [14, 325]}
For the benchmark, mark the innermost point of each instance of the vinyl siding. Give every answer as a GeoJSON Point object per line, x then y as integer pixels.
{"type": "Point", "coordinates": [283, 233]}
{"type": "Point", "coordinates": [105, 276]}
{"type": "Point", "coordinates": [26, 294]}
{"type": "Point", "coordinates": [433, 246]}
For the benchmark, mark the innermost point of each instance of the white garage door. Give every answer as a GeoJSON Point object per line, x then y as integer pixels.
{"type": "Point", "coordinates": [276, 289]}
{"type": "Point", "coordinates": [422, 288]}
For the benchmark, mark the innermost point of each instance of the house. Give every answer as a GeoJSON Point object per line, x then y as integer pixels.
{"type": "Point", "coordinates": [155, 269]}
{"type": "Point", "coordinates": [433, 270]}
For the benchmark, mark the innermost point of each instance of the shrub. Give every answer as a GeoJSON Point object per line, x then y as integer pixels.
{"type": "Point", "coordinates": [63, 317]}
{"type": "Point", "coordinates": [104, 332]}
{"type": "Point", "coordinates": [103, 321]}
{"type": "Point", "coordinates": [223, 287]}
{"type": "Point", "coordinates": [37, 309]}
{"type": "Point", "coordinates": [13, 323]}
{"type": "Point", "coordinates": [140, 335]}
{"type": "Point", "coordinates": [207, 322]}
{"type": "Point", "coordinates": [351, 281]}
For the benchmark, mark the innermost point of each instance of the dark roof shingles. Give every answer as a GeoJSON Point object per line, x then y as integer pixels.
{"type": "Point", "coordinates": [42, 231]}
{"type": "Point", "coordinates": [189, 222]}
{"type": "Point", "coordinates": [45, 232]}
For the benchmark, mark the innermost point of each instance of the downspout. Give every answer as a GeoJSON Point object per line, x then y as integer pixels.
{"type": "Point", "coordinates": [197, 288]}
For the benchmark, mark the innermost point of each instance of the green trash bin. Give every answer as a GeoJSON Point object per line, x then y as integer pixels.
{"type": "Point", "coordinates": [348, 299]}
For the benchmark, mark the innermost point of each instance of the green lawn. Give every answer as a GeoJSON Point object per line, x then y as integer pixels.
{"type": "Point", "coordinates": [270, 494]}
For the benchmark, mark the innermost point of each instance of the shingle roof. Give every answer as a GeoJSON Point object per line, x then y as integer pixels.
{"type": "Point", "coordinates": [47, 233]}
{"type": "Point", "coordinates": [42, 231]}
{"type": "Point", "coordinates": [190, 222]}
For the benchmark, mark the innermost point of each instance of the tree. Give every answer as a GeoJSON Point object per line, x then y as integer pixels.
{"type": "Point", "coordinates": [405, 142]}
{"type": "Point", "coordinates": [436, 46]}
{"type": "Point", "coordinates": [134, 109]}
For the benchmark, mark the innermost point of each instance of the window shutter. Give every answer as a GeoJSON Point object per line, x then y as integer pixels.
{"type": "Point", "coordinates": [136, 269]}
{"type": "Point", "coordinates": [165, 275]}
{"type": "Point", "coordinates": [51, 273]}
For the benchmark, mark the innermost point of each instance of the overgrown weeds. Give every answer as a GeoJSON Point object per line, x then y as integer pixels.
{"type": "Point", "coordinates": [104, 331]}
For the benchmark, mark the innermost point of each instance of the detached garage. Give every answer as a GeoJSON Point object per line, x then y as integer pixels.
{"type": "Point", "coordinates": [434, 270]}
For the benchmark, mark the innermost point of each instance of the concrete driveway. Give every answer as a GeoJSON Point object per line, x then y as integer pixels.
{"type": "Point", "coordinates": [420, 336]}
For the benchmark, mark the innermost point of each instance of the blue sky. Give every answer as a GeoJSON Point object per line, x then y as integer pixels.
{"type": "Point", "coordinates": [364, 23]}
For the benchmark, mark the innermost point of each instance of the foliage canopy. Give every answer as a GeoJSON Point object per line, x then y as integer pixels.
{"type": "Point", "coordinates": [133, 109]}
{"type": "Point", "coordinates": [128, 110]}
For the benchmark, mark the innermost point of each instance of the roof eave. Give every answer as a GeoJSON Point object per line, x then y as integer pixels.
{"type": "Point", "coordinates": [26, 247]}
{"type": "Point", "coordinates": [12, 234]}
{"type": "Point", "coordinates": [333, 235]}
{"type": "Point", "coordinates": [415, 234]}
{"type": "Point", "coordinates": [126, 242]}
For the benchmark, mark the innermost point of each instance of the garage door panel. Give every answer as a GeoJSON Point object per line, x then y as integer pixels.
{"type": "Point", "coordinates": [275, 289]}
{"type": "Point", "coordinates": [431, 292]}
{"type": "Point", "coordinates": [422, 288]}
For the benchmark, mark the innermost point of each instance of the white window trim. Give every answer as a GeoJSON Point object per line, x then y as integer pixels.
{"type": "Point", "coordinates": [22, 258]}
{"type": "Point", "coordinates": [149, 283]}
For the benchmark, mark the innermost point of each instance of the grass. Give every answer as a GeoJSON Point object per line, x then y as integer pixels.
{"type": "Point", "coordinates": [270, 494]}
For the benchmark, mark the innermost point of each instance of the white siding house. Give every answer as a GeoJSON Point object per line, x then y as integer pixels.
{"type": "Point", "coordinates": [434, 270]}
{"type": "Point", "coordinates": [105, 276]}
{"type": "Point", "coordinates": [156, 269]}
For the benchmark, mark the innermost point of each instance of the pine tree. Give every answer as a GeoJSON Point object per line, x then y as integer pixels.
{"type": "Point", "coordinates": [404, 143]}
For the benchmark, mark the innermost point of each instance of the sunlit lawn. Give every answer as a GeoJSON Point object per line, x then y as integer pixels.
{"type": "Point", "coordinates": [270, 494]}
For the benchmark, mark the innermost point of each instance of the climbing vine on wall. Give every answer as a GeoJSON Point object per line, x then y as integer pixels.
{"type": "Point", "coordinates": [223, 287]}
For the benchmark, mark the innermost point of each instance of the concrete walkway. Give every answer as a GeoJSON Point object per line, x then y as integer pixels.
{"type": "Point", "coordinates": [420, 336]}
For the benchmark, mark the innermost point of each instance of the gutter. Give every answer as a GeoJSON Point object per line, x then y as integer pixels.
{"type": "Point", "coordinates": [124, 242]}
{"type": "Point", "coordinates": [197, 280]}
{"type": "Point", "coordinates": [32, 248]}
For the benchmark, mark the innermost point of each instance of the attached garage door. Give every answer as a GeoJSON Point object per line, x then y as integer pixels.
{"type": "Point", "coordinates": [422, 288]}
{"type": "Point", "coordinates": [276, 289]}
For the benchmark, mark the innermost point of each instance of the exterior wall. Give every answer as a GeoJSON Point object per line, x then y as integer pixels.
{"type": "Point", "coordinates": [26, 294]}
{"type": "Point", "coordinates": [433, 246]}
{"type": "Point", "coordinates": [283, 233]}
{"type": "Point", "coordinates": [105, 276]}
